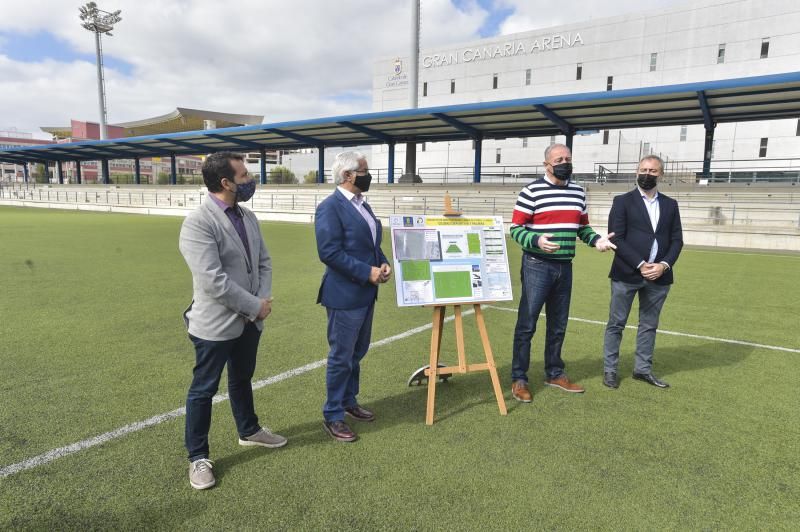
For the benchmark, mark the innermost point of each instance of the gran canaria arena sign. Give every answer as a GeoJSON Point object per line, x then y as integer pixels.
{"type": "Point", "coordinates": [509, 49]}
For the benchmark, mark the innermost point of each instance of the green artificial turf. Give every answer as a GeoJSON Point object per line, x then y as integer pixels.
{"type": "Point", "coordinates": [91, 339]}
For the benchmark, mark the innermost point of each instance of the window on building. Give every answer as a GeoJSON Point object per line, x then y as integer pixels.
{"type": "Point", "coordinates": [579, 71]}
{"type": "Point", "coordinates": [452, 86]}
{"type": "Point", "coordinates": [798, 128]}
{"type": "Point", "coordinates": [497, 156]}
{"type": "Point", "coordinates": [762, 150]}
{"type": "Point", "coordinates": [683, 133]}
{"type": "Point", "coordinates": [552, 139]}
{"type": "Point", "coordinates": [494, 81]}
{"type": "Point", "coordinates": [609, 83]}
{"type": "Point", "coordinates": [645, 149]}
{"type": "Point", "coordinates": [721, 54]}
{"type": "Point", "coordinates": [425, 88]}
{"type": "Point", "coordinates": [528, 77]}
{"type": "Point", "coordinates": [525, 140]}
{"type": "Point", "coordinates": [764, 47]}
{"type": "Point", "coordinates": [605, 136]}
{"type": "Point", "coordinates": [473, 145]}
{"type": "Point", "coordinates": [653, 62]}
{"type": "Point", "coordinates": [422, 146]}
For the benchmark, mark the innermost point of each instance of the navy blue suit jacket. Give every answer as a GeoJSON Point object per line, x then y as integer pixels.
{"type": "Point", "coordinates": [633, 236]}
{"type": "Point", "coordinates": [345, 246]}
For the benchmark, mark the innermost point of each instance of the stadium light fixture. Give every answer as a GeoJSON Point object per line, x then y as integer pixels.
{"type": "Point", "coordinates": [99, 22]}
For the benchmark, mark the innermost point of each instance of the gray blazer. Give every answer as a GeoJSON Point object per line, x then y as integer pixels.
{"type": "Point", "coordinates": [228, 286]}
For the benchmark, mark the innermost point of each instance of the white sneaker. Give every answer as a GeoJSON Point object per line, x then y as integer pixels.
{"type": "Point", "coordinates": [200, 475]}
{"type": "Point", "coordinates": [264, 438]}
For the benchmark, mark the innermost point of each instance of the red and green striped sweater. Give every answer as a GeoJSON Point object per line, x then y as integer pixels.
{"type": "Point", "coordinates": [543, 207]}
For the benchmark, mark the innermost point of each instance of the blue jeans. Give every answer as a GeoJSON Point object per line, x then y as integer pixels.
{"type": "Point", "coordinates": [545, 284]}
{"type": "Point", "coordinates": [348, 336]}
{"type": "Point", "coordinates": [240, 356]}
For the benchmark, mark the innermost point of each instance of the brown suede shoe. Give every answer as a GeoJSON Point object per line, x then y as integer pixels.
{"type": "Point", "coordinates": [564, 383]}
{"type": "Point", "coordinates": [521, 392]}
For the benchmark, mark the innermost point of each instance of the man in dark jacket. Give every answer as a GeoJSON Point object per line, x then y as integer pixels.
{"type": "Point", "coordinates": [349, 244]}
{"type": "Point", "coordinates": [649, 238]}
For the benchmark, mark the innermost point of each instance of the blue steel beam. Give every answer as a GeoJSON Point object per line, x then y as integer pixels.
{"type": "Point", "coordinates": [232, 140]}
{"type": "Point", "coordinates": [459, 125]}
{"type": "Point", "coordinates": [390, 178]}
{"type": "Point", "coordinates": [708, 120]}
{"type": "Point", "coordinates": [310, 141]}
{"type": "Point", "coordinates": [198, 148]}
{"type": "Point", "coordinates": [147, 149]}
{"type": "Point", "coordinates": [377, 135]}
{"type": "Point", "coordinates": [562, 124]}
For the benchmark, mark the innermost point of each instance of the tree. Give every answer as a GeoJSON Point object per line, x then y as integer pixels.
{"type": "Point", "coordinates": [38, 174]}
{"type": "Point", "coordinates": [310, 178]}
{"type": "Point", "coordinates": [280, 175]}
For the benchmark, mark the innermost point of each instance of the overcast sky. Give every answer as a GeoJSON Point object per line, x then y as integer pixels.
{"type": "Point", "coordinates": [284, 59]}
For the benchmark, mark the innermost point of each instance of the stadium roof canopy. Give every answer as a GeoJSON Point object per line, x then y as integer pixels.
{"type": "Point", "coordinates": [709, 103]}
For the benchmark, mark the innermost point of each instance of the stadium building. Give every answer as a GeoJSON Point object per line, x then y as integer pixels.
{"type": "Point", "coordinates": [702, 41]}
{"type": "Point", "coordinates": [154, 169]}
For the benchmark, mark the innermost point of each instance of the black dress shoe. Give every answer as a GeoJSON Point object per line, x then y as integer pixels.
{"type": "Point", "coordinates": [649, 378]}
{"type": "Point", "coordinates": [610, 379]}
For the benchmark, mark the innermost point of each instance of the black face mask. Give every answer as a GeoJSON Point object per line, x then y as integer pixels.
{"type": "Point", "coordinates": [646, 181]}
{"type": "Point", "coordinates": [363, 181]}
{"type": "Point", "coordinates": [563, 171]}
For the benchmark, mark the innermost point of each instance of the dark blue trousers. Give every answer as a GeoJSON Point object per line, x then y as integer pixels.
{"type": "Point", "coordinates": [210, 359]}
{"type": "Point", "coordinates": [349, 334]}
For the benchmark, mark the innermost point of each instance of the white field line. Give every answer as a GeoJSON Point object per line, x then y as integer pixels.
{"type": "Point", "coordinates": [674, 333]}
{"type": "Point", "coordinates": [67, 450]}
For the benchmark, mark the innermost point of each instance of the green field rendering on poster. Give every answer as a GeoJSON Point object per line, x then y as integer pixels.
{"type": "Point", "coordinates": [449, 260]}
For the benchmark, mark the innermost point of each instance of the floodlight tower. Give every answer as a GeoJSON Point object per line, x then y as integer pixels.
{"type": "Point", "coordinates": [98, 22]}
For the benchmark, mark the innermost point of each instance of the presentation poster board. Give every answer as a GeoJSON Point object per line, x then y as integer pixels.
{"type": "Point", "coordinates": [441, 260]}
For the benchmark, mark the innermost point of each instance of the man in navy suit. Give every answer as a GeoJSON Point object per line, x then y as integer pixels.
{"type": "Point", "coordinates": [349, 244]}
{"type": "Point", "coordinates": [649, 238]}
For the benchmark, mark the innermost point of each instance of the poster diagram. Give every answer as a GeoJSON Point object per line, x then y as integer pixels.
{"type": "Point", "coordinates": [441, 260]}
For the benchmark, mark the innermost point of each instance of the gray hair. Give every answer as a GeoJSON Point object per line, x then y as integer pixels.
{"type": "Point", "coordinates": [654, 158]}
{"type": "Point", "coordinates": [553, 146]}
{"type": "Point", "coordinates": [346, 161]}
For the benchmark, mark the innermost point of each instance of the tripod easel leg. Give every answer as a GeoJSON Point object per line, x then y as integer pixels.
{"type": "Point", "coordinates": [487, 350]}
{"type": "Point", "coordinates": [436, 345]}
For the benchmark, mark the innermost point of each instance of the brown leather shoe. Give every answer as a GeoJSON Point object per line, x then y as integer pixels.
{"type": "Point", "coordinates": [564, 383]}
{"type": "Point", "coordinates": [360, 413]}
{"type": "Point", "coordinates": [339, 431]}
{"type": "Point", "coordinates": [521, 392]}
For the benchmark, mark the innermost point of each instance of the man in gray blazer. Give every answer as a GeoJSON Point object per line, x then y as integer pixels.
{"type": "Point", "coordinates": [232, 283]}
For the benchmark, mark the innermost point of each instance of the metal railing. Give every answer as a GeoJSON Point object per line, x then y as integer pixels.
{"type": "Point", "coordinates": [717, 210]}
{"type": "Point", "coordinates": [728, 171]}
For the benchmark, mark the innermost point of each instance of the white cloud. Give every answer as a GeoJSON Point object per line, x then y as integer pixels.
{"type": "Point", "coordinates": [282, 59]}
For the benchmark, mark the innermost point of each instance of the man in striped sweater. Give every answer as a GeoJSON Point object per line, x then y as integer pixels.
{"type": "Point", "coordinates": [549, 215]}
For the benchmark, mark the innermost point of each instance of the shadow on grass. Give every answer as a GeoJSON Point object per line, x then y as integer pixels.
{"type": "Point", "coordinates": [407, 407]}
{"type": "Point", "coordinates": [666, 361]}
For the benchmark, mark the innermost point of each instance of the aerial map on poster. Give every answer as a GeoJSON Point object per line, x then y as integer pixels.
{"type": "Point", "coordinates": [442, 260]}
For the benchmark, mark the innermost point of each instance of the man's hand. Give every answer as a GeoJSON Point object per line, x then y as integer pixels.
{"type": "Point", "coordinates": [375, 276]}
{"type": "Point", "coordinates": [545, 244]}
{"type": "Point", "coordinates": [386, 272]}
{"type": "Point", "coordinates": [652, 271]}
{"type": "Point", "coordinates": [603, 243]}
{"type": "Point", "coordinates": [266, 309]}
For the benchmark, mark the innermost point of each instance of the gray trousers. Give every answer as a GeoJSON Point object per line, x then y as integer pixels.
{"type": "Point", "coordinates": [651, 299]}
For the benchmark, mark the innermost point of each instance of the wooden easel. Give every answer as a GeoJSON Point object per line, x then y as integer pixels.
{"type": "Point", "coordinates": [433, 371]}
